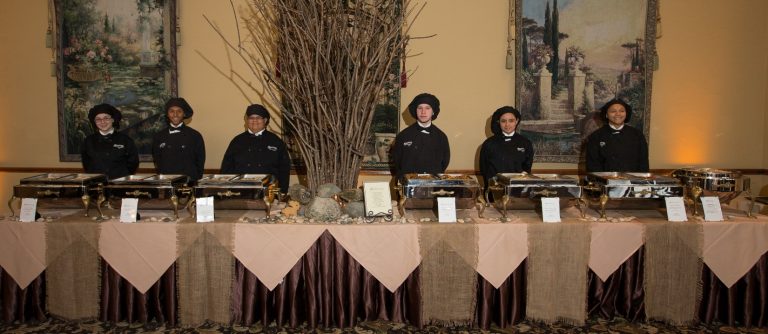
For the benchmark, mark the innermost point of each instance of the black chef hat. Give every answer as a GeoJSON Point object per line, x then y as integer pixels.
{"type": "Point", "coordinates": [181, 103]}
{"type": "Point", "coordinates": [257, 109]}
{"type": "Point", "coordinates": [422, 98]}
{"type": "Point", "coordinates": [495, 126]}
{"type": "Point", "coordinates": [108, 109]}
{"type": "Point", "coordinates": [627, 107]}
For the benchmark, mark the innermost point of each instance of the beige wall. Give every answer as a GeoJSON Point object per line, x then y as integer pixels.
{"type": "Point", "coordinates": [710, 95]}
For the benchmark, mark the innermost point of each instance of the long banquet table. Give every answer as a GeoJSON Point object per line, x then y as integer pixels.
{"type": "Point", "coordinates": [233, 271]}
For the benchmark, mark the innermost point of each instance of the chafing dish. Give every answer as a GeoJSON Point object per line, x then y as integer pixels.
{"type": "Point", "coordinates": [62, 190]}
{"type": "Point", "coordinates": [152, 190]}
{"type": "Point", "coordinates": [524, 191]}
{"type": "Point", "coordinates": [712, 182]}
{"type": "Point", "coordinates": [630, 190]}
{"type": "Point", "coordinates": [419, 191]}
{"type": "Point", "coordinates": [243, 191]}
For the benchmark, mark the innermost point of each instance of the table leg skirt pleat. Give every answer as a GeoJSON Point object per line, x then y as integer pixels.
{"type": "Point", "coordinates": [120, 301]}
{"type": "Point", "coordinates": [504, 306]}
{"type": "Point", "coordinates": [326, 288]}
{"type": "Point", "coordinates": [22, 305]}
{"type": "Point", "coordinates": [743, 304]}
{"type": "Point", "coordinates": [622, 294]}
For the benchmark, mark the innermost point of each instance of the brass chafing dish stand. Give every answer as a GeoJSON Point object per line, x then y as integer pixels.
{"type": "Point", "coordinates": [629, 190]}
{"type": "Point", "coordinates": [420, 191]}
{"type": "Point", "coordinates": [62, 190]}
{"type": "Point", "coordinates": [151, 190]}
{"type": "Point", "coordinates": [524, 191]}
{"type": "Point", "coordinates": [238, 191]}
{"type": "Point", "coordinates": [713, 182]}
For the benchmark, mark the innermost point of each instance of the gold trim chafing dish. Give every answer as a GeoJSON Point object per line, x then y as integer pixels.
{"type": "Point", "coordinates": [629, 190]}
{"type": "Point", "coordinates": [524, 191]}
{"type": "Point", "coordinates": [62, 190]}
{"type": "Point", "coordinates": [419, 191]}
{"type": "Point", "coordinates": [239, 191]}
{"type": "Point", "coordinates": [152, 190]}
{"type": "Point", "coordinates": [713, 182]}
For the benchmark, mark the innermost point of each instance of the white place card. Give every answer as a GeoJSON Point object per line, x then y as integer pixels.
{"type": "Point", "coordinates": [28, 209]}
{"type": "Point", "coordinates": [204, 209]}
{"type": "Point", "coordinates": [550, 209]}
{"type": "Point", "coordinates": [378, 199]}
{"type": "Point", "coordinates": [128, 209]}
{"type": "Point", "coordinates": [446, 209]}
{"type": "Point", "coordinates": [675, 209]}
{"type": "Point", "coordinates": [712, 210]}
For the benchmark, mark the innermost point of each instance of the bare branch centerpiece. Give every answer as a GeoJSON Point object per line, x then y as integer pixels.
{"type": "Point", "coordinates": [323, 64]}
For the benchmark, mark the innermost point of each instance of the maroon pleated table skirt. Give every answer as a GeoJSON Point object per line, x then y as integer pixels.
{"type": "Point", "coordinates": [327, 288]}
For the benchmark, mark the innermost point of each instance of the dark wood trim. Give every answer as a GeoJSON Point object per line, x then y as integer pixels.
{"type": "Point", "coordinates": [562, 171]}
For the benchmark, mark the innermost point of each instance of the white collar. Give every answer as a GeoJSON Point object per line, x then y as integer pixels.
{"type": "Point", "coordinates": [424, 125]}
{"type": "Point", "coordinates": [616, 128]}
{"type": "Point", "coordinates": [111, 131]}
{"type": "Point", "coordinates": [508, 135]}
{"type": "Point", "coordinates": [177, 126]}
{"type": "Point", "coordinates": [256, 133]}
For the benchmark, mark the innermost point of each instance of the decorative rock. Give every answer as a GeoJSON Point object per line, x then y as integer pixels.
{"type": "Point", "coordinates": [328, 190]}
{"type": "Point", "coordinates": [300, 193]}
{"type": "Point", "coordinates": [299, 220]}
{"type": "Point", "coordinates": [323, 209]}
{"type": "Point", "coordinates": [460, 221]}
{"type": "Point", "coordinates": [352, 195]}
{"type": "Point", "coordinates": [355, 209]}
{"type": "Point", "coordinates": [424, 220]}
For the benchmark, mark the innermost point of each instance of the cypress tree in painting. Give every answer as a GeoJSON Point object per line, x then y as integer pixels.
{"type": "Point", "coordinates": [555, 44]}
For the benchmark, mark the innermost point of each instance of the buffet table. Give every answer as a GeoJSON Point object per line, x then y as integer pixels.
{"type": "Point", "coordinates": [236, 271]}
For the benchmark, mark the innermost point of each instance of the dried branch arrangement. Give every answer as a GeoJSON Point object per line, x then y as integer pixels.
{"type": "Point", "coordinates": [324, 64]}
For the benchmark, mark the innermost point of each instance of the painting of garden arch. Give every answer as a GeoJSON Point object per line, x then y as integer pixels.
{"type": "Point", "coordinates": [121, 52]}
{"type": "Point", "coordinates": [572, 57]}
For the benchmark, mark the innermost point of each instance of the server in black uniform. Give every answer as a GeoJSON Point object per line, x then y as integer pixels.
{"type": "Point", "coordinates": [258, 151]}
{"type": "Point", "coordinates": [422, 147]}
{"type": "Point", "coordinates": [617, 146]}
{"type": "Point", "coordinates": [107, 151]}
{"type": "Point", "coordinates": [506, 151]}
{"type": "Point", "coordinates": [179, 149]}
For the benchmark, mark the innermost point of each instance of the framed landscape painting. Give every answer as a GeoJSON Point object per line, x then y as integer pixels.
{"type": "Point", "coordinates": [572, 57]}
{"type": "Point", "coordinates": [121, 52]}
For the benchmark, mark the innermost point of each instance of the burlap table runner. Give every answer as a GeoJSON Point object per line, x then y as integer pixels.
{"type": "Point", "coordinates": [72, 275]}
{"type": "Point", "coordinates": [448, 276]}
{"type": "Point", "coordinates": [205, 268]}
{"type": "Point", "coordinates": [673, 271]}
{"type": "Point", "coordinates": [557, 272]}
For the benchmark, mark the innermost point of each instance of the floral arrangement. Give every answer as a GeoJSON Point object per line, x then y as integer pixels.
{"type": "Point", "coordinates": [90, 53]}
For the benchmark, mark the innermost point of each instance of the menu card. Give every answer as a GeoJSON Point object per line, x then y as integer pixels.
{"type": "Point", "coordinates": [128, 209]}
{"type": "Point", "coordinates": [28, 209]}
{"type": "Point", "coordinates": [204, 209]}
{"type": "Point", "coordinates": [712, 210]}
{"type": "Point", "coordinates": [378, 200]}
{"type": "Point", "coordinates": [550, 209]}
{"type": "Point", "coordinates": [675, 209]}
{"type": "Point", "coordinates": [446, 209]}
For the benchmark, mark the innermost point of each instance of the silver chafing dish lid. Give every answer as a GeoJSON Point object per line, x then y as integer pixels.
{"type": "Point", "coordinates": [705, 172]}
{"type": "Point", "coordinates": [638, 178]}
{"type": "Point", "coordinates": [525, 178]}
{"type": "Point", "coordinates": [217, 179]}
{"type": "Point", "coordinates": [150, 179]}
{"type": "Point", "coordinates": [439, 180]}
{"type": "Point", "coordinates": [64, 178]}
